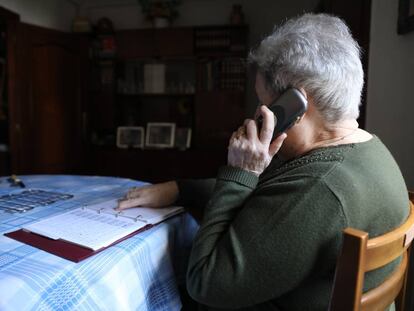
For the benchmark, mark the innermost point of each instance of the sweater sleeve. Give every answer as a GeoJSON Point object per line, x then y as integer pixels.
{"type": "Point", "coordinates": [195, 193]}
{"type": "Point", "coordinates": [254, 246]}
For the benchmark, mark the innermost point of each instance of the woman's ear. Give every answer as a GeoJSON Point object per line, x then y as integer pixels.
{"type": "Point", "coordinates": [300, 118]}
{"type": "Point", "coordinates": [302, 90]}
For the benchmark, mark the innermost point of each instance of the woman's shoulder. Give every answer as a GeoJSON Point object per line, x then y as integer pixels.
{"type": "Point", "coordinates": [343, 162]}
{"type": "Point", "coordinates": [312, 165]}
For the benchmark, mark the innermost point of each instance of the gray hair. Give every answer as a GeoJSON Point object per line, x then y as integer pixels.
{"type": "Point", "coordinates": [315, 52]}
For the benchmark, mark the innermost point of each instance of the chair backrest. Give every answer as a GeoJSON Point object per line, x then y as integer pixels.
{"type": "Point", "coordinates": [359, 255]}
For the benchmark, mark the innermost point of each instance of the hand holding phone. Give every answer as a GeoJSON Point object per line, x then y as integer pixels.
{"type": "Point", "coordinates": [288, 109]}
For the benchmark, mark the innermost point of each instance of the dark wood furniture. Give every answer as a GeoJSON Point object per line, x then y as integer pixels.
{"type": "Point", "coordinates": [204, 90]}
{"type": "Point", "coordinates": [61, 119]}
{"type": "Point", "coordinates": [58, 107]}
{"type": "Point", "coordinates": [44, 99]}
{"type": "Point", "coordinates": [8, 86]}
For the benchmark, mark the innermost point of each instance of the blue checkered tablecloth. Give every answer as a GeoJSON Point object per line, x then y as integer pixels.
{"type": "Point", "coordinates": [140, 273]}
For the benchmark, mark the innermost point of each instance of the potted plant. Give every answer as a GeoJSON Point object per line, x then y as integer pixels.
{"type": "Point", "coordinates": [160, 12]}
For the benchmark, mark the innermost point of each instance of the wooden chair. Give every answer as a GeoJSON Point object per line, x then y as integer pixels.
{"type": "Point", "coordinates": [359, 255]}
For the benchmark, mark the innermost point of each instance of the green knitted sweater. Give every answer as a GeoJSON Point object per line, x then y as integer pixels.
{"type": "Point", "coordinates": [271, 243]}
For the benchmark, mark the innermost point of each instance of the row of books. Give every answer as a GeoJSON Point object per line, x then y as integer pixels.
{"type": "Point", "coordinates": [227, 40]}
{"type": "Point", "coordinates": [226, 74]}
{"type": "Point", "coordinates": [150, 78]}
{"type": "Point", "coordinates": [154, 78]}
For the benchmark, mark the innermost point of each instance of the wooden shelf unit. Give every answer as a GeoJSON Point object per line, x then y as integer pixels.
{"type": "Point", "coordinates": [204, 90]}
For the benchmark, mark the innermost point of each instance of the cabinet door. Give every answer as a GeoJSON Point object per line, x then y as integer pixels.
{"type": "Point", "coordinates": [54, 96]}
{"type": "Point", "coordinates": [49, 110]}
{"type": "Point", "coordinates": [9, 22]}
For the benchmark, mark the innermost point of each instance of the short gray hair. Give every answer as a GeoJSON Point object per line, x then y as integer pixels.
{"type": "Point", "coordinates": [315, 52]}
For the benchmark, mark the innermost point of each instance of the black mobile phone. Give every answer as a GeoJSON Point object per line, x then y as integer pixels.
{"type": "Point", "coordinates": [288, 109]}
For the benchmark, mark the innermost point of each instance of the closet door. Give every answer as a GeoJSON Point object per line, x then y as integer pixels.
{"type": "Point", "coordinates": [54, 98]}
{"type": "Point", "coordinates": [49, 109]}
{"type": "Point", "coordinates": [8, 25]}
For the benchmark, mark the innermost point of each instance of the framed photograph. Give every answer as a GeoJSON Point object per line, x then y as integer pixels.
{"type": "Point", "coordinates": [405, 16]}
{"type": "Point", "coordinates": [160, 135]}
{"type": "Point", "coordinates": [130, 137]}
{"type": "Point", "coordinates": [182, 138]}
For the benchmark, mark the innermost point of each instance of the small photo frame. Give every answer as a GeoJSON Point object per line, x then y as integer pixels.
{"type": "Point", "coordinates": [160, 135]}
{"type": "Point", "coordinates": [130, 137]}
{"type": "Point", "coordinates": [182, 138]}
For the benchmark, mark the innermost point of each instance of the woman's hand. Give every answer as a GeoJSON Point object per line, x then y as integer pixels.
{"type": "Point", "coordinates": [253, 151]}
{"type": "Point", "coordinates": [156, 196]}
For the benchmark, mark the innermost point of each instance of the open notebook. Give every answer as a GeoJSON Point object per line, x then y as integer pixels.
{"type": "Point", "coordinates": [98, 226]}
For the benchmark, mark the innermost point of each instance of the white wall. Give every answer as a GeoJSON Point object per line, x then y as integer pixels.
{"type": "Point", "coordinates": [390, 107]}
{"type": "Point", "coordinates": [55, 14]}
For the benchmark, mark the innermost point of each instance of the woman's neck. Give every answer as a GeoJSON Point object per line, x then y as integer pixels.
{"type": "Point", "coordinates": [342, 132]}
{"type": "Point", "coordinates": [308, 137]}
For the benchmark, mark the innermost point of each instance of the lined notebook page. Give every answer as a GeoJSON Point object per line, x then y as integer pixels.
{"type": "Point", "coordinates": [145, 214]}
{"type": "Point", "coordinates": [85, 227]}
{"type": "Point", "coordinates": [99, 225]}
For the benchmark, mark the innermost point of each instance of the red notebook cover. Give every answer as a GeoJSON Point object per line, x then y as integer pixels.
{"type": "Point", "coordinates": [62, 248]}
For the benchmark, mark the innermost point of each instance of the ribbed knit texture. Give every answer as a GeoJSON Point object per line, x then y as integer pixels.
{"type": "Point", "coordinates": [238, 175]}
{"type": "Point", "coordinates": [273, 245]}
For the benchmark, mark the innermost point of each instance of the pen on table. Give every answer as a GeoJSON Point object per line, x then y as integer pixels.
{"type": "Point", "coordinates": [15, 181]}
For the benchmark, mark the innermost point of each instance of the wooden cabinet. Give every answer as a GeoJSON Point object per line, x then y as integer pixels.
{"type": "Point", "coordinates": [47, 113]}
{"type": "Point", "coordinates": [65, 102]}
{"type": "Point", "coordinates": [201, 87]}
{"type": "Point", "coordinates": [8, 92]}
{"type": "Point", "coordinates": [138, 43]}
{"type": "Point", "coordinates": [42, 99]}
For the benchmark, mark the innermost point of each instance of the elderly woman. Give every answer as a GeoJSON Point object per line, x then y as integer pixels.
{"type": "Point", "coordinates": [273, 217]}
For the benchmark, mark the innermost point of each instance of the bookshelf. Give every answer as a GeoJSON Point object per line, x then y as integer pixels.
{"type": "Point", "coordinates": [192, 77]}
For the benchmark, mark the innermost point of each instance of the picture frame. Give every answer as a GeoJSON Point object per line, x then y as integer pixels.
{"type": "Point", "coordinates": [130, 137]}
{"type": "Point", "coordinates": [160, 135]}
{"type": "Point", "coordinates": [405, 16]}
{"type": "Point", "coordinates": [182, 138]}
